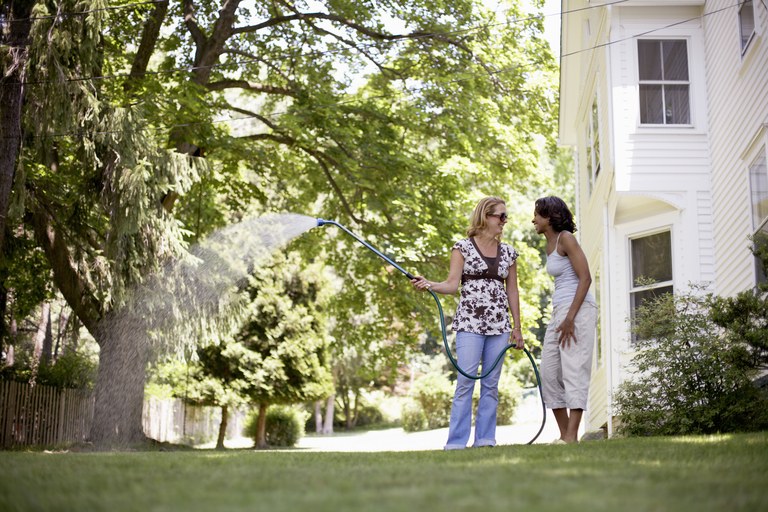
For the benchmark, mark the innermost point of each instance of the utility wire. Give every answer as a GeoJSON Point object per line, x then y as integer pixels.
{"type": "Point", "coordinates": [412, 90]}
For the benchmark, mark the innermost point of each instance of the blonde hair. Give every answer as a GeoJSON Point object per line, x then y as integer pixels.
{"type": "Point", "coordinates": [477, 222]}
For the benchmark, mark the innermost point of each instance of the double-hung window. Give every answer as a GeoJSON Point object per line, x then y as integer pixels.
{"type": "Point", "coordinates": [664, 81]}
{"type": "Point", "coordinates": [746, 23]}
{"type": "Point", "coordinates": [651, 266]}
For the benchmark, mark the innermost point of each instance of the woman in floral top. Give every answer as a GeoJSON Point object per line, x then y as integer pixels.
{"type": "Point", "coordinates": [486, 269]}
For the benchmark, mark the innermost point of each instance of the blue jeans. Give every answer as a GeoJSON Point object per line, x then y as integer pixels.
{"type": "Point", "coordinates": [471, 348]}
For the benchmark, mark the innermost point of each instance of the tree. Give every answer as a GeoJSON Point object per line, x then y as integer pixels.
{"type": "Point", "coordinates": [285, 330]}
{"type": "Point", "coordinates": [745, 316]}
{"type": "Point", "coordinates": [440, 102]}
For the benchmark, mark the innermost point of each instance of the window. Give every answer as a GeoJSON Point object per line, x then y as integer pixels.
{"type": "Point", "coordinates": [746, 24]}
{"type": "Point", "coordinates": [664, 85]}
{"type": "Point", "coordinates": [758, 180]}
{"type": "Point", "coordinates": [593, 145]}
{"type": "Point", "coordinates": [651, 264]}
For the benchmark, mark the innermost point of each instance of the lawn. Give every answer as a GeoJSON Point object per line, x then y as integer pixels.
{"type": "Point", "coordinates": [723, 473]}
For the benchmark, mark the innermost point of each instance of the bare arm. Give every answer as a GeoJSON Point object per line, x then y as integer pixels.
{"type": "Point", "coordinates": [451, 283]}
{"type": "Point", "coordinates": [581, 267]}
{"type": "Point", "coordinates": [513, 298]}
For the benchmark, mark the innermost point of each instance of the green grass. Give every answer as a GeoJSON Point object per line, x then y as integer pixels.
{"type": "Point", "coordinates": [723, 473]}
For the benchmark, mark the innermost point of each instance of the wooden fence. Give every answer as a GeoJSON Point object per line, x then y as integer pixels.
{"type": "Point", "coordinates": [43, 415]}
{"type": "Point", "coordinates": [47, 416]}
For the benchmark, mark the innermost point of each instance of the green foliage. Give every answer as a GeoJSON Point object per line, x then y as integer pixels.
{"type": "Point", "coordinates": [432, 394]}
{"type": "Point", "coordinates": [429, 400]}
{"type": "Point", "coordinates": [284, 428]}
{"type": "Point", "coordinates": [72, 369]}
{"type": "Point", "coordinates": [688, 378]}
{"type": "Point", "coordinates": [745, 316]}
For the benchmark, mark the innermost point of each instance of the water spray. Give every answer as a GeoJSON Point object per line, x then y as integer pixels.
{"type": "Point", "coordinates": [323, 222]}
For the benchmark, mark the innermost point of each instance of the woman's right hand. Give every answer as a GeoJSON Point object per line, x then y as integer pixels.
{"type": "Point", "coordinates": [421, 284]}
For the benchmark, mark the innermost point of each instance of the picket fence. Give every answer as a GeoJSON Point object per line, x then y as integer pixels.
{"type": "Point", "coordinates": [43, 415]}
{"type": "Point", "coordinates": [47, 416]}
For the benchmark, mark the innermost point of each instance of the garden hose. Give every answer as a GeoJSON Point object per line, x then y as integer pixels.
{"type": "Point", "coordinates": [322, 222]}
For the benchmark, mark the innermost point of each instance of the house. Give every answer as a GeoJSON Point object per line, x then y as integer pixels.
{"type": "Point", "coordinates": [666, 105]}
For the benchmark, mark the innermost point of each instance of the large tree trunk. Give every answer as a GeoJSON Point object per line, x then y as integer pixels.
{"type": "Point", "coordinates": [222, 427]}
{"type": "Point", "coordinates": [261, 427]}
{"type": "Point", "coordinates": [123, 357]}
{"type": "Point", "coordinates": [122, 339]}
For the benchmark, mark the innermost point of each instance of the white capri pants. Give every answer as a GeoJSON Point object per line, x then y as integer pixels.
{"type": "Point", "coordinates": [565, 372]}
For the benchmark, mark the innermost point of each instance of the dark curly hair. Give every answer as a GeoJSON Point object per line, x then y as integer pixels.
{"type": "Point", "coordinates": [555, 209]}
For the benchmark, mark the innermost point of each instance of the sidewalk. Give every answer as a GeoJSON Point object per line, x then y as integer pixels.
{"type": "Point", "coordinates": [526, 423]}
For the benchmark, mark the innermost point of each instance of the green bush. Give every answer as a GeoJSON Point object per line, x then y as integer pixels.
{"type": "Point", "coordinates": [70, 370]}
{"type": "Point", "coordinates": [429, 404]}
{"type": "Point", "coordinates": [688, 377]}
{"type": "Point", "coordinates": [412, 417]}
{"type": "Point", "coordinates": [284, 427]}
{"type": "Point", "coordinates": [509, 397]}
{"type": "Point", "coordinates": [432, 393]}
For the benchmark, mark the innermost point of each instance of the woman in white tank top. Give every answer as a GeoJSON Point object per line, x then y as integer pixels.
{"type": "Point", "coordinates": [566, 360]}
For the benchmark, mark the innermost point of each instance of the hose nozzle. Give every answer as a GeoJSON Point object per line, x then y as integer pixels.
{"type": "Point", "coordinates": [321, 222]}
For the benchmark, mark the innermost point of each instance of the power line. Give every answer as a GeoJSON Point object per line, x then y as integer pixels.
{"type": "Point", "coordinates": [412, 90]}
{"type": "Point", "coordinates": [191, 69]}
{"type": "Point", "coordinates": [635, 36]}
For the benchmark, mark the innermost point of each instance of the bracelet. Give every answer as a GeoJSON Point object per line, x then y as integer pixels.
{"type": "Point", "coordinates": [517, 329]}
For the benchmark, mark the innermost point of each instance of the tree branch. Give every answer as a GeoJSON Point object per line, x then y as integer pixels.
{"type": "Point", "coordinates": [318, 156]}
{"type": "Point", "coordinates": [148, 42]}
{"type": "Point", "coordinates": [194, 29]}
{"type": "Point", "coordinates": [251, 86]}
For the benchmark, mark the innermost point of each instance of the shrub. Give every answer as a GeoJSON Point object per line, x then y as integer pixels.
{"type": "Point", "coordinates": [71, 370]}
{"type": "Point", "coordinates": [432, 393]}
{"type": "Point", "coordinates": [688, 377]}
{"type": "Point", "coordinates": [284, 427]}
{"type": "Point", "coordinates": [429, 405]}
{"type": "Point", "coordinates": [509, 397]}
{"type": "Point", "coordinates": [412, 416]}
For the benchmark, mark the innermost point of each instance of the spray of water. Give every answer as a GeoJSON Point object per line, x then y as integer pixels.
{"type": "Point", "coordinates": [194, 298]}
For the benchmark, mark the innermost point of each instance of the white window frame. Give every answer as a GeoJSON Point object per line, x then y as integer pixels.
{"type": "Point", "coordinates": [664, 83]}
{"type": "Point", "coordinates": [746, 39]}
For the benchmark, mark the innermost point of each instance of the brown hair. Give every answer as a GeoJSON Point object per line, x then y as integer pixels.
{"type": "Point", "coordinates": [477, 222]}
{"type": "Point", "coordinates": [555, 209]}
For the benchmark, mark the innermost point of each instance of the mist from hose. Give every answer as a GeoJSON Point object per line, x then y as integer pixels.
{"type": "Point", "coordinates": [184, 302]}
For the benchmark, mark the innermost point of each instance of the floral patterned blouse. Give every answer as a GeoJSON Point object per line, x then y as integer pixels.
{"type": "Point", "coordinates": [483, 306]}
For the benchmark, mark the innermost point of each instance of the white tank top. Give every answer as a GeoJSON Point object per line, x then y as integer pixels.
{"type": "Point", "coordinates": [566, 280]}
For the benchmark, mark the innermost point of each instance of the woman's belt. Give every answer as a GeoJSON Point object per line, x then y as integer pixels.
{"type": "Point", "coordinates": [475, 277]}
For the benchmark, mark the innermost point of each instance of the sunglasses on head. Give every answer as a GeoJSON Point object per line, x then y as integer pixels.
{"type": "Point", "coordinates": [502, 216]}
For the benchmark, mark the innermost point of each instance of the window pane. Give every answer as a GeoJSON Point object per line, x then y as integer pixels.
{"type": "Point", "coordinates": [746, 22]}
{"type": "Point", "coordinates": [677, 109]}
{"type": "Point", "coordinates": [758, 178]}
{"type": "Point", "coordinates": [649, 59]}
{"type": "Point", "coordinates": [651, 107]}
{"type": "Point", "coordinates": [637, 299]}
{"type": "Point", "coordinates": [675, 60]}
{"type": "Point", "coordinates": [652, 258]}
